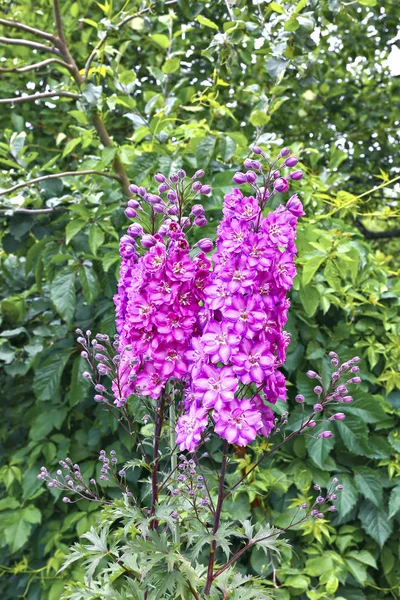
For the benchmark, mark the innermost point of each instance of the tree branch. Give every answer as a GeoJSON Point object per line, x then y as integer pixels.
{"type": "Point", "coordinates": [376, 235]}
{"type": "Point", "coordinates": [29, 44]}
{"type": "Point", "coordinates": [38, 32]}
{"type": "Point", "coordinates": [58, 20]}
{"type": "Point", "coordinates": [38, 65]}
{"type": "Point", "coordinates": [92, 55]}
{"type": "Point", "coordinates": [34, 97]}
{"type": "Point", "coordinates": [57, 176]}
{"type": "Point", "coordinates": [30, 211]}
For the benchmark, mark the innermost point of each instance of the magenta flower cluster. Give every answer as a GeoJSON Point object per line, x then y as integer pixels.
{"type": "Point", "coordinates": [234, 362]}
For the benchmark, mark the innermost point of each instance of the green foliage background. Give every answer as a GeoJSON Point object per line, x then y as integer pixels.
{"type": "Point", "coordinates": [193, 85]}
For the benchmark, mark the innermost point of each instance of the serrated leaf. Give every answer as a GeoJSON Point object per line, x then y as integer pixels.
{"type": "Point", "coordinates": [375, 522]}
{"type": "Point", "coordinates": [205, 150]}
{"type": "Point", "coordinates": [364, 557]}
{"type": "Point", "coordinates": [394, 501]}
{"type": "Point", "coordinates": [73, 227]}
{"type": "Point", "coordinates": [354, 434]}
{"type": "Point", "coordinates": [62, 293]}
{"type": "Point", "coordinates": [96, 237]}
{"type": "Point", "coordinates": [90, 283]}
{"type": "Point", "coordinates": [319, 448]}
{"type": "Point", "coordinates": [369, 484]}
{"type": "Point", "coordinates": [310, 268]}
{"type": "Point", "coordinates": [347, 497]}
{"type": "Point", "coordinates": [48, 375]}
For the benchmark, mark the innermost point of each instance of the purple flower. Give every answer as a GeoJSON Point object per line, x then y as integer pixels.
{"type": "Point", "coordinates": [215, 386]}
{"type": "Point", "coordinates": [189, 428]}
{"type": "Point", "coordinates": [253, 362]}
{"type": "Point", "coordinates": [281, 185]}
{"type": "Point", "coordinates": [238, 422]}
{"type": "Point", "coordinates": [219, 341]}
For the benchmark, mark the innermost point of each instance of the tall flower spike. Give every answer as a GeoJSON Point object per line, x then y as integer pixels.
{"type": "Point", "coordinates": [245, 311]}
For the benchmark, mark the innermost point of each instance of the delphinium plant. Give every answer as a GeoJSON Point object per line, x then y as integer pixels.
{"type": "Point", "coordinates": [196, 359]}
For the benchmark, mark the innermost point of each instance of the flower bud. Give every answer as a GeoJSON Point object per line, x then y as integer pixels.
{"type": "Point", "coordinates": [142, 192]}
{"type": "Point", "coordinates": [325, 434]}
{"type": "Point", "coordinates": [159, 177]}
{"type": "Point", "coordinates": [248, 163]}
{"type": "Point", "coordinates": [299, 398]}
{"type": "Point", "coordinates": [135, 230]}
{"type": "Point", "coordinates": [256, 150]}
{"type": "Point", "coordinates": [339, 487]}
{"type": "Point", "coordinates": [67, 500]}
{"type": "Point", "coordinates": [354, 369]}
{"type": "Point", "coordinates": [320, 500]}
{"type": "Point", "coordinates": [181, 174]}
{"type": "Point", "coordinates": [239, 178]}
{"type": "Point", "coordinates": [332, 508]}
{"type": "Point", "coordinates": [312, 374]}
{"type": "Point", "coordinates": [284, 152]}
{"type": "Point", "coordinates": [354, 380]}
{"type": "Point", "coordinates": [295, 206]}
{"type": "Point", "coordinates": [318, 390]}
{"type": "Point", "coordinates": [339, 417]}
{"type": "Point", "coordinates": [291, 161]}
{"type": "Point", "coordinates": [312, 424]}
{"type": "Point", "coordinates": [281, 185]}
{"type": "Point", "coordinates": [304, 506]}
{"type": "Point", "coordinates": [347, 399]}
{"type": "Point", "coordinates": [163, 187]}
{"type": "Point", "coordinates": [205, 244]}
{"type": "Point", "coordinates": [174, 178]}
{"type": "Point", "coordinates": [200, 221]}
{"type": "Point", "coordinates": [133, 189]}
{"type": "Point", "coordinates": [296, 175]}
{"type": "Point", "coordinates": [173, 210]}
{"type": "Point", "coordinates": [133, 203]}
{"type": "Point", "coordinates": [158, 208]}
{"type": "Point", "coordinates": [130, 213]}
{"type": "Point", "coordinates": [100, 398]}
{"type": "Point", "coordinates": [196, 187]}
{"type": "Point", "coordinates": [199, 174]}
{"type": "Point", "coordinates": [205, 189]}
{"type": "Point", "coordinates": [148, 241]}
{"type": "Point", "coordinates": [318, 408]}
{"type": "Point", "coordinates": [251, 177]}
{"type": "Point", "coordinates": [153, 199]}
{"type": "Point", "coordinates": [85, 374]}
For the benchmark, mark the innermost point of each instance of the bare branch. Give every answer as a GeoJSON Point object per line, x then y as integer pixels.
{"type": "Point", "coordinates": [377, 235]}
{"type": "Point", "coordinates": [34, 97]}
{"type": "Point", "coordinates": [29, 44]}
{"type": "Point", "coordinates": [58, 176]}
{"type": "Point", "coordinates": [30, 211]}
{"type": "Point", "coordinates": [38, 32]}
{"type": "Point", "coordinates": [58, 20]}
{"type": "Point", "coordinates": [92, 55]}
{"type": "Point", "coordinates": [38, 65]}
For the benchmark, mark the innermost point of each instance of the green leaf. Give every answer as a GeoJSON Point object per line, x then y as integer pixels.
{"type": "Point", "coordinates": [364, 557]}
{"type": "Point", "coordinates": [96, 237]}
{"type": "Point", "coordinates": [161, 40]}
{"type": "Point", "coordinates": [309, 297]}
{"type": "Point", "coordinates": [357, 569]}
{"type": "Point", "coordinates": [109, 260]}
{"type": "Point", "coordinates": [354, 434]}
{"type": "Point", "coordinates": [311, 267]}
{"type": "Point", "coordinates": [18, 525]}
{"type": "Point", "coordinates": [62, 293]}
{"type": "Point", "coordinates": [331, 274]}
{"type": "Point", "coordinates": [171, 65]}
{"type": "Point", "coordinates": [90, 283]}
{"type": "Point", "coordinates": [73, 227]}
{"type": "Point", "coordinates": [369, 484]}
{"type": "Point", "coordinates": [369, 3]}
{"type": "Point", "coordinates": [319, 448]}
{"type": "Point", "coordinates": [258, 118]}
{"type": "Point", "coordinates": [206, 22]}
{"type": "Point", "coordinates": [48, 375]}
{"type": "Point", "coordinates": [347, 497]}
{"type": "Point", "coordinates": [71, 145]}
{"type": "Point", "coordinates": [394, 501]}
{"type": "Point", "coordinates": [375, 522]}
{"type": "Point", "coordinates": [205, 150]}
{"type": "Point", "coordinates": [227, 147]}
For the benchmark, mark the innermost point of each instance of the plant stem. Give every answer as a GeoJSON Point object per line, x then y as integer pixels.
{"type": "Point", "coordinates": [217, 517]}
{"type": "Point", "coordinates": [156, 460]}
{"type": "Point", "coordinates": [172, 441]}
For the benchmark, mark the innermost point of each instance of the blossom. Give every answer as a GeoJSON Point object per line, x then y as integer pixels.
{"type": "Point", "coordinates": [189, 428]}
{"type": "Point", "coordinates": [238, 422]}
{"type": "Point", "coordinates": [219, 341]}
{"type": "Point", "coordinates": [215, 386]}
{"type": "Point", "coordinates": [253, 361]}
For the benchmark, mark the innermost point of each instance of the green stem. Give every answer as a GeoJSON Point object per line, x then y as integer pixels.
{"type": "Point", "coordinates": [172, 441]}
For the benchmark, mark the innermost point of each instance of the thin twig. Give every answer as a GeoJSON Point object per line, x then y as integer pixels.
{"type": "Point", "coordinates": [230, 12]}
{"type": "Point", "coordinates": [38, 65]}
{"type": "Point", "coordinates": [57, 176]}
{"type": "Point", "coordinates": [33, 97]}
{"type": "Point", "coordinates": [29, 44]}
{"type": "Point", "coordinates": [38, 32]}
{"type": "Point", "coordinates": [92, 55]}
